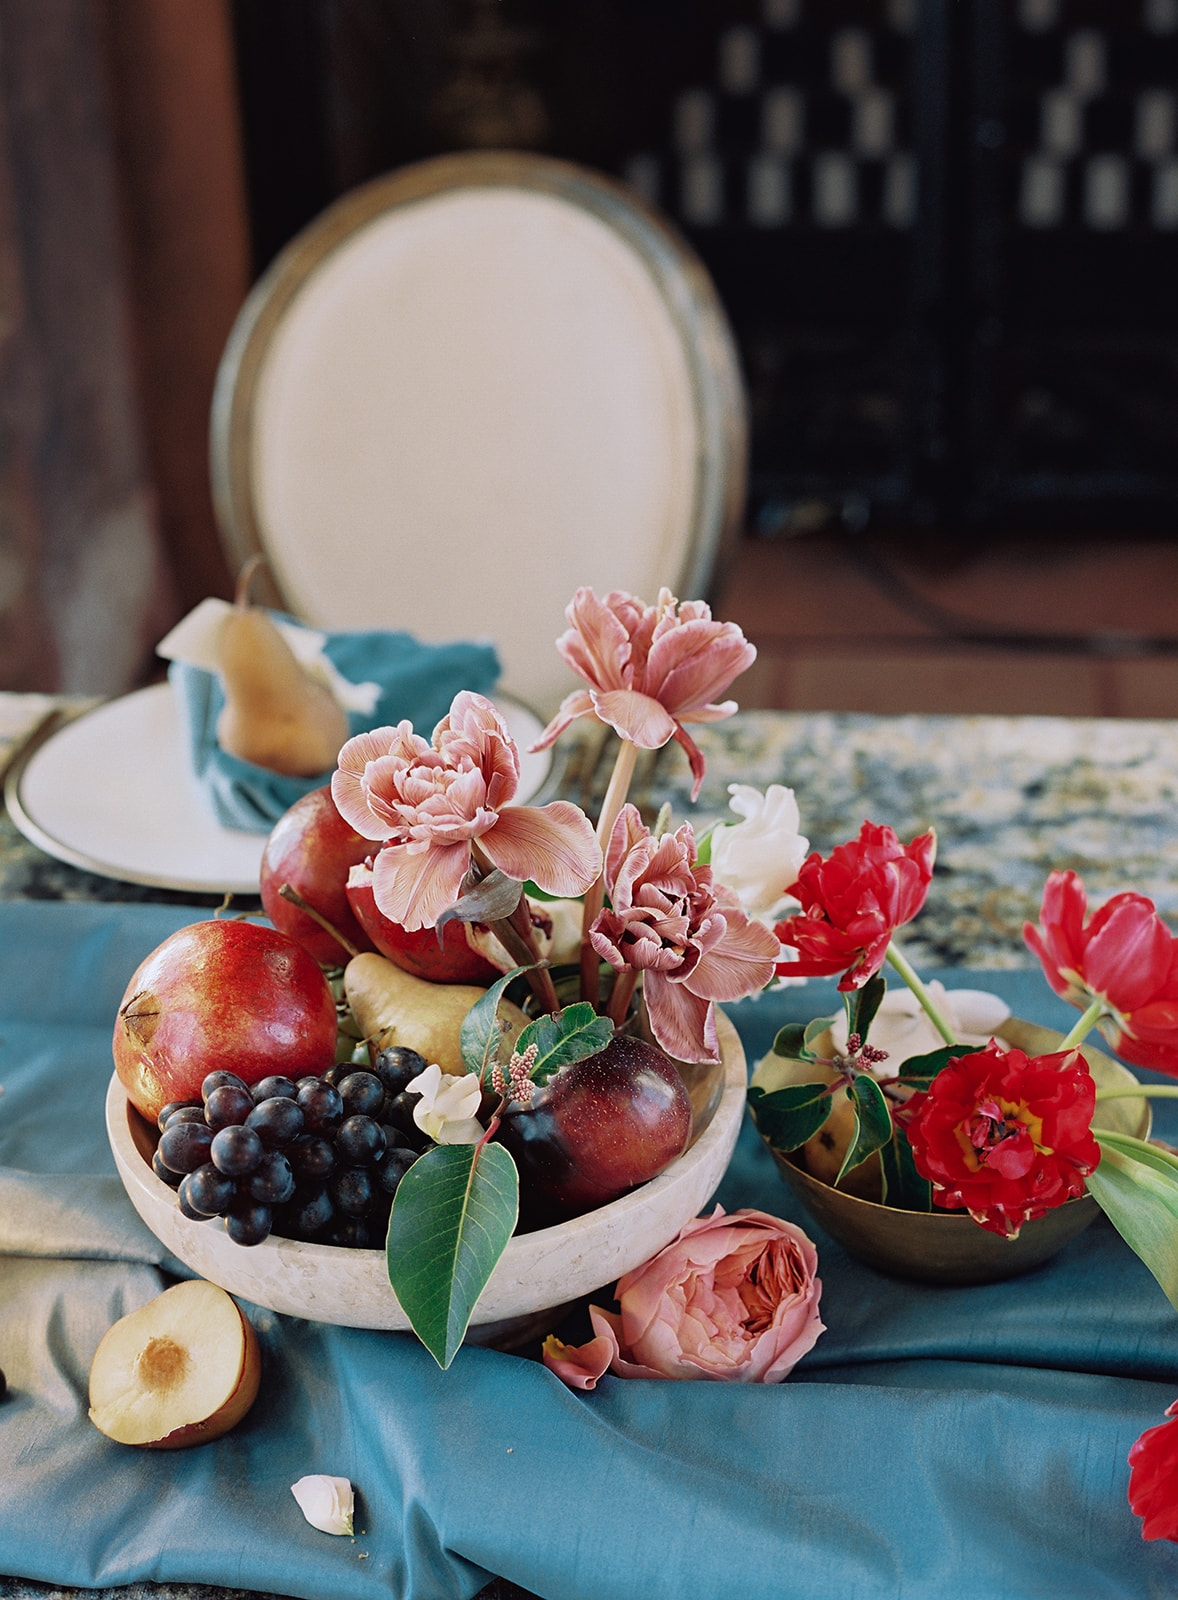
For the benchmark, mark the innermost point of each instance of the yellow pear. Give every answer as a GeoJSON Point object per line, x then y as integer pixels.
{"type": "Point", "coordinates": [395, 1007]}
{"type": "Point", "coordinates": [275, 714]}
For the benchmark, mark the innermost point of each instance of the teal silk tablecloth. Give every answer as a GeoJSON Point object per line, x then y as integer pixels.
{"type": "Point", "coordinates": [937, 1443]}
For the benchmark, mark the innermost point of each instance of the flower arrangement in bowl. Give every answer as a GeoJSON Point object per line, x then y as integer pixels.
{"type": "Point", "coordinates": [969, 1155]}
{"type": "Point", "coordinates": [469, 1117]}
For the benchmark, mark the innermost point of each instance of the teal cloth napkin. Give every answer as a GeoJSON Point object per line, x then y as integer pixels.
{"type": "Point", "coordinates": [417, 681]}
{"type": "Point", "coordinates": [936, 1442]}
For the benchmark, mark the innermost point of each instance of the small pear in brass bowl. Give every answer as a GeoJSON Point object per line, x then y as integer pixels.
{"type": "Point", "coordinates": [940, 1246]}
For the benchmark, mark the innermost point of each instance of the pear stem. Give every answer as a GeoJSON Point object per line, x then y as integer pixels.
{"type": "Point", "coordinates": [289, 892]}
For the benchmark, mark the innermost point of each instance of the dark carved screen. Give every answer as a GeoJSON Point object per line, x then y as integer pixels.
{"type": "Point", "coordinates": [946, 231]}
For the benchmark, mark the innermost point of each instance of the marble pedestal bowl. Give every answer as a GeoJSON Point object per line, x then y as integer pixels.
{"type": "Point", "coordinates": [538, 1276]}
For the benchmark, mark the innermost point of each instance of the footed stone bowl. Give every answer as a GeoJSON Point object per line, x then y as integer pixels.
{"type": "Point", "coordinates": [539, 1274]}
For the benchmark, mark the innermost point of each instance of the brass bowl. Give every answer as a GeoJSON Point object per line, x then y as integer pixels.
{"type": "Point", "coordinates": [949, 1246]}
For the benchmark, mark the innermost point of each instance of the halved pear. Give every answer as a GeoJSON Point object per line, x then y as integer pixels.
{"type": "Point", "coordinates": [183, 1369]}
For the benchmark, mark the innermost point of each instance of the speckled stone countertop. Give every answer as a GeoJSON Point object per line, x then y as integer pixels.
{"type": "Point", "coordinates": [1010, 798]}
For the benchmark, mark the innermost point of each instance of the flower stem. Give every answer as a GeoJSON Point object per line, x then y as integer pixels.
{"type": "Point", "coordinates": [1084, 1024]}
{"type": "Point", "coordinates": [516, 935]}
{"type": "Point", "coordinates": [1140, 1091]}
{"type": "Point", "coordinates": [611, 805]}
{"type": "Point", "coordinates": [912, 979]}
{"type": "Point", "coordinates": [621, 995]}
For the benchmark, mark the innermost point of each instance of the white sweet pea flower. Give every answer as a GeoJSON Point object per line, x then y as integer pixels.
{"type": "Point", "coordinates": [327, 1503]}
{"type": "Point", "coordinates": [759, 858]}
{"type": "Point", "coordinates": [446, 1110]}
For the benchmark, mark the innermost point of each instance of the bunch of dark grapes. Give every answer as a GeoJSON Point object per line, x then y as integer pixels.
{"type": "Point", "coordinates": [315, 1158]}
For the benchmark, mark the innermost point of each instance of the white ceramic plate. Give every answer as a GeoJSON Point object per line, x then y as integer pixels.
{"type": "Point", "coordinates": [538, 1272]}
{"type": "Point", "coordinates": [114, 792]}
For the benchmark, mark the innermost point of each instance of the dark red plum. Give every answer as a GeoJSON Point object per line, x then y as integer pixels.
{"type": "Point", "coordinates": [598, 1129]}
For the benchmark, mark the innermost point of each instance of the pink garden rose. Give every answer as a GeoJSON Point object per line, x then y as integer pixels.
{"type": "Point", "coordinates": [1125, 955]}
{"type": "Point", "coordinates": [853, 902]}
{"type": "Point", "coordinates": [1153, 1479]}
{"type": "Point", "coordinates": [428, 803]}
{"type": "Point", "coordinates": [650, 669]}
{"type": "Point", "coordinates": [733, 1297]}
{"type": "Point", "coordinates": [687, 935]}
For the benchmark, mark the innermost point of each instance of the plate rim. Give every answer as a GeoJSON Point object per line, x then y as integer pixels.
{"type": "Point", "coordinates": [38, 834]}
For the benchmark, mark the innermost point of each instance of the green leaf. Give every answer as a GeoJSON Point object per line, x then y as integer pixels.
{"type": "Point", "coordinates": [903, 1186]}
{"type": "Point", "coordinates": [1136, 1187]}
{"type": "Point", "coordinates": [453, 1214]}
{"type": "Point", "coordinates": [786, 1118]}
{"type": "Point", "coordinates": [564, 1037]}
{"type": "Point", "coordinates": [873, 1123]}
{"type": "Point", "coordinates": [919, 1071]}
{"type": "Point", "coordinates": [863, 1003]}
{"type": "Point", "coordinates": [790, 1042]}
{"type": "Point", "coordinates": [481, 1033]}
{"type": "Point", "coordinates": [815, 1028]}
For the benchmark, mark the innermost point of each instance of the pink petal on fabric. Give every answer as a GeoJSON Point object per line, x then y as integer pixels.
{"type": "Point", "coordinates": [413, 886]}
{"type": "Point", "coordinates": [553, 845]}
{"type": "Point", "coordinates": [579, 1366]}
{"type": "Point", "coordinates": [635, 716]}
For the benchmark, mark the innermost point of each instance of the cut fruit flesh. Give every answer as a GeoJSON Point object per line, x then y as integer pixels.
{"type": "Point", "coordinates": [182, 1369]}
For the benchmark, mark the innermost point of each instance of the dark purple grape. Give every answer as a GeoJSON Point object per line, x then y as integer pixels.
{"type": "Point", "coordinates": [323, 1108]}
{"type": "Point", "coordinates": [272, 1088]}
{"type": "Point", "coordinates": [352, 1190]}
{"type": "Point", "coordinates": [221, 1080]}
{"type": "Point", "coordinates": [336, 1073]}
{"type": "Point", "coordinates": [184, 1113]}
{"type": "Point", "coordinates": [174, 1106]}
{"type": "Point", "coordinates": [397, 1066]}
{"type": "Point", "coordinates": [350, 1233]}
{"type": "Point", "coordinates": [400, 1114]}
{"type": "Point", "coordinates": [307, 1215]}
{"type": "Point", "coordinates": [311, 1158]}
{"type": "Point", "coordinates": [273, 1183]}
{"type": "Point", "coordinates": [362, 1093]}
{"type": "Point", "coordinates": [187, 1200]}
{"type": "Point", "coordinates": [276, 1121]}
{"type": "Point", "coordinates": [162, 1170]}
{"type": "Point", "coordinates": [393, 1166]}
{"type": "Point", "coordinates": [184, 1146]}
{"type": "Point", "coordinates": [237, 1151]}
{"type": "Point", "coordinates": [227, 1106]}
{"type": "Point", "coordinates": [248, 1221]}
{"type": "Point", "coordinates": [359, 1141]}
{"type": "Point", "coordinates": [209, 1190]}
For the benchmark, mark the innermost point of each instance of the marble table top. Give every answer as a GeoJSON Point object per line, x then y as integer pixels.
{"type": "Point", "coordinates": [1011, 799]}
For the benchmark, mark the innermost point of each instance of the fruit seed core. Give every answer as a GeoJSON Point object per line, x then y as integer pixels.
{"type": "Point", "coordinates": [162, 1364]}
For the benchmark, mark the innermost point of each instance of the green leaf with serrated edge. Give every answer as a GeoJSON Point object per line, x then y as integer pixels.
{"type": "Point", "coordinates": [480, 1036]}
{"type": "Point", "coordinates": [791, 1043]}
{"type": "Point", "coordinates": [862, 1004]}
{"type": "Point", "coordinates": [1139, 1196]}
{"type": "Point", "coordinates": [919, 1071]}
{"type": "Point", "coordinates": [453, 1214]}
{"type": "Point", "coordinates": [903, 1187]}
{"type": "Point", "coordinates": [873, 1123]}
{"type": "Point", "coordinates": [786, 1118]}
{"type": "Point", "coordinates": [564, 1037]}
